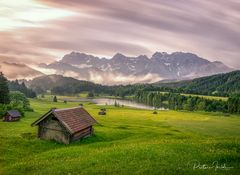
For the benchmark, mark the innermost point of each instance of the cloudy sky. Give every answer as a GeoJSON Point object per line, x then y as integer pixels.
{"type": "Point", "coordinates": [35, 31]}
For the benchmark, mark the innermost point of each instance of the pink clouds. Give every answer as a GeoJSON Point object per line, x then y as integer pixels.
{"type": "Point", "coordinates": [207, 28]}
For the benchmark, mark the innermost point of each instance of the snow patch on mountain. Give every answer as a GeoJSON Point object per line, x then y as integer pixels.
{"type": "Point", "coordinates": [82, 66]}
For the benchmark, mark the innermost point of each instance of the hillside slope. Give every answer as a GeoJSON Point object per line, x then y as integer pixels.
{"type": "Point", "coordinates": [58, 82]}
{"type": "Point", "coordinates": [220, 84]}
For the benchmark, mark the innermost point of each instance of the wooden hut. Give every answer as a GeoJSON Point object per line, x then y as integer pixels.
{"type": "Point", "coordinates": [102, 111]}
{"type": "Point", "coordinates": [12, 115]}
{"type": "Point", "coordinates": [65, 125]}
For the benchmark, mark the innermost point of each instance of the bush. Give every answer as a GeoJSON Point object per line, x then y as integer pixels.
{"type": "Point", "coordinates": [90, 95]}
{"type": "Point", "coordinates": [3, 109]}
{"type": "Point", "coordinates": [21, 110]}
{"type": "Point", "coordinates": [103, 109]}
{"type": "Point", "coordinates": [19, 101]}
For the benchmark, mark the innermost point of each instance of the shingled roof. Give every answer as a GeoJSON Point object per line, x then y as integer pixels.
{"type": "Point", "coordinates": [74, 119]}
{"type": "Point", "coordinates": [14, 113]}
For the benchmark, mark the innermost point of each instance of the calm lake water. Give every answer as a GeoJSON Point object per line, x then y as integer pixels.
{"type": "Point", "coordinates": [108, 101]}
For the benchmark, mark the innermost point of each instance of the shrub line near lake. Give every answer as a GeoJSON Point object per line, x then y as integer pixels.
{"type": "Point", "coordinates": [177, 101]}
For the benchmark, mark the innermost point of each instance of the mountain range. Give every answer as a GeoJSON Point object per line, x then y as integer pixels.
{"type": "Point", "coordinates": [121, 69]}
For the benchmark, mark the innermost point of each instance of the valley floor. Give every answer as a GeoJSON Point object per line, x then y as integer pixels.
{"type": "Point", "coordinates": [126, 141]}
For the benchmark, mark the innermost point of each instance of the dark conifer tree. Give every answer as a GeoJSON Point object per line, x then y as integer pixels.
{"type": "Point", "coordinates": [55, 99]}
{"type": "Point", "coordinates": [4, 91]}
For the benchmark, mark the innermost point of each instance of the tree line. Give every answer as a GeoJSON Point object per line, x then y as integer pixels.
{"type": "Point", "coordinates": [216, 85]}
{"type": "Point", "coordinates": [175, 101]}
{"type": "Point", "coordinates": [21, 87]}
{"type": "Point", "coordinates": [96, 89]}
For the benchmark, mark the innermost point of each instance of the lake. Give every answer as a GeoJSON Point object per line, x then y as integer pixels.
{"type": "Point", "coordinates": [108, 101]}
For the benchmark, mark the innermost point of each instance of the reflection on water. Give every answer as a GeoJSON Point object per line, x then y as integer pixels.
{"type": "Point", "coordinates": [108, 101]}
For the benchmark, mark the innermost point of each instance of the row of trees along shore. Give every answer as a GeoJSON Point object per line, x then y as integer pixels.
{"type": "Point", "coordinates": [176, 101]}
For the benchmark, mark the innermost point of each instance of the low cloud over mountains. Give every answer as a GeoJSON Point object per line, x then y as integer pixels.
{"type": "Point", "coordinates": [121, 69]}
{"type": "Point", "coordinates": [18, 71]}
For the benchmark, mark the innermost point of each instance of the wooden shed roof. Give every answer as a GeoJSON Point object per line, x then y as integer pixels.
{"type": "Point", "coordinates": [14, 113]}
{"type": "Point", "coordinates": [74, 119]}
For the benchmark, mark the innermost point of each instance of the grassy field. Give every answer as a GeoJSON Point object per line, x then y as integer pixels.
{"type": "Point", "coordinates": [126, 141]}
{"type": "Point", "coordinates": [208, 97]}
{"type": "Point", "coordinates": [204, 96]}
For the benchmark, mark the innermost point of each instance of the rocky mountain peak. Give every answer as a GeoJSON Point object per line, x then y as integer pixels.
{"type": "Point", "coordinates": [122, 69]}
{"type": "Point", "coordinates": [118, 56]}
{"type": "Point", "coordinates": [158, 55]}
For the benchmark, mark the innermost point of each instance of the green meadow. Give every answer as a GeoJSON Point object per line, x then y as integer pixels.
{"type": "Point", "coordinates": [126, 141]}
{"type": "Point", "coordinates": [208, 97]}
{"type": "Point", "coordinates": [204, 96]}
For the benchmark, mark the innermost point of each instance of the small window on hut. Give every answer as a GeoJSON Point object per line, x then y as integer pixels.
{"type": "Point", "coordinates": [54, 118]}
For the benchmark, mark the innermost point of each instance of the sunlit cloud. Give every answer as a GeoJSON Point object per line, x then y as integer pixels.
{"type": "Point", "coordinates": [35, 31]}
{"type": "Point", "coordinates": [27, 13]}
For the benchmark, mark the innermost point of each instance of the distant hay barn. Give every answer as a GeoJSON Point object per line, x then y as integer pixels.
{"type": "Point", "coordinates": [12, 115]}
{"type": "Point", "coordinates": [65, 125]}
{"type": "Point", "coordinates": [102, 111]}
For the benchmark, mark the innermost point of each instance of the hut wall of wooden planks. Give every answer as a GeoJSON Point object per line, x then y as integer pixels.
{"type": "Point", "coordinates": [65, 125]}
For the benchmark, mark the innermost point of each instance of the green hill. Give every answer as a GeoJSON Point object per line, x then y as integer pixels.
{"type": "Point", "coordinates": [219, 85]}
{"type": "Point", "coordinates": [59, 84]}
